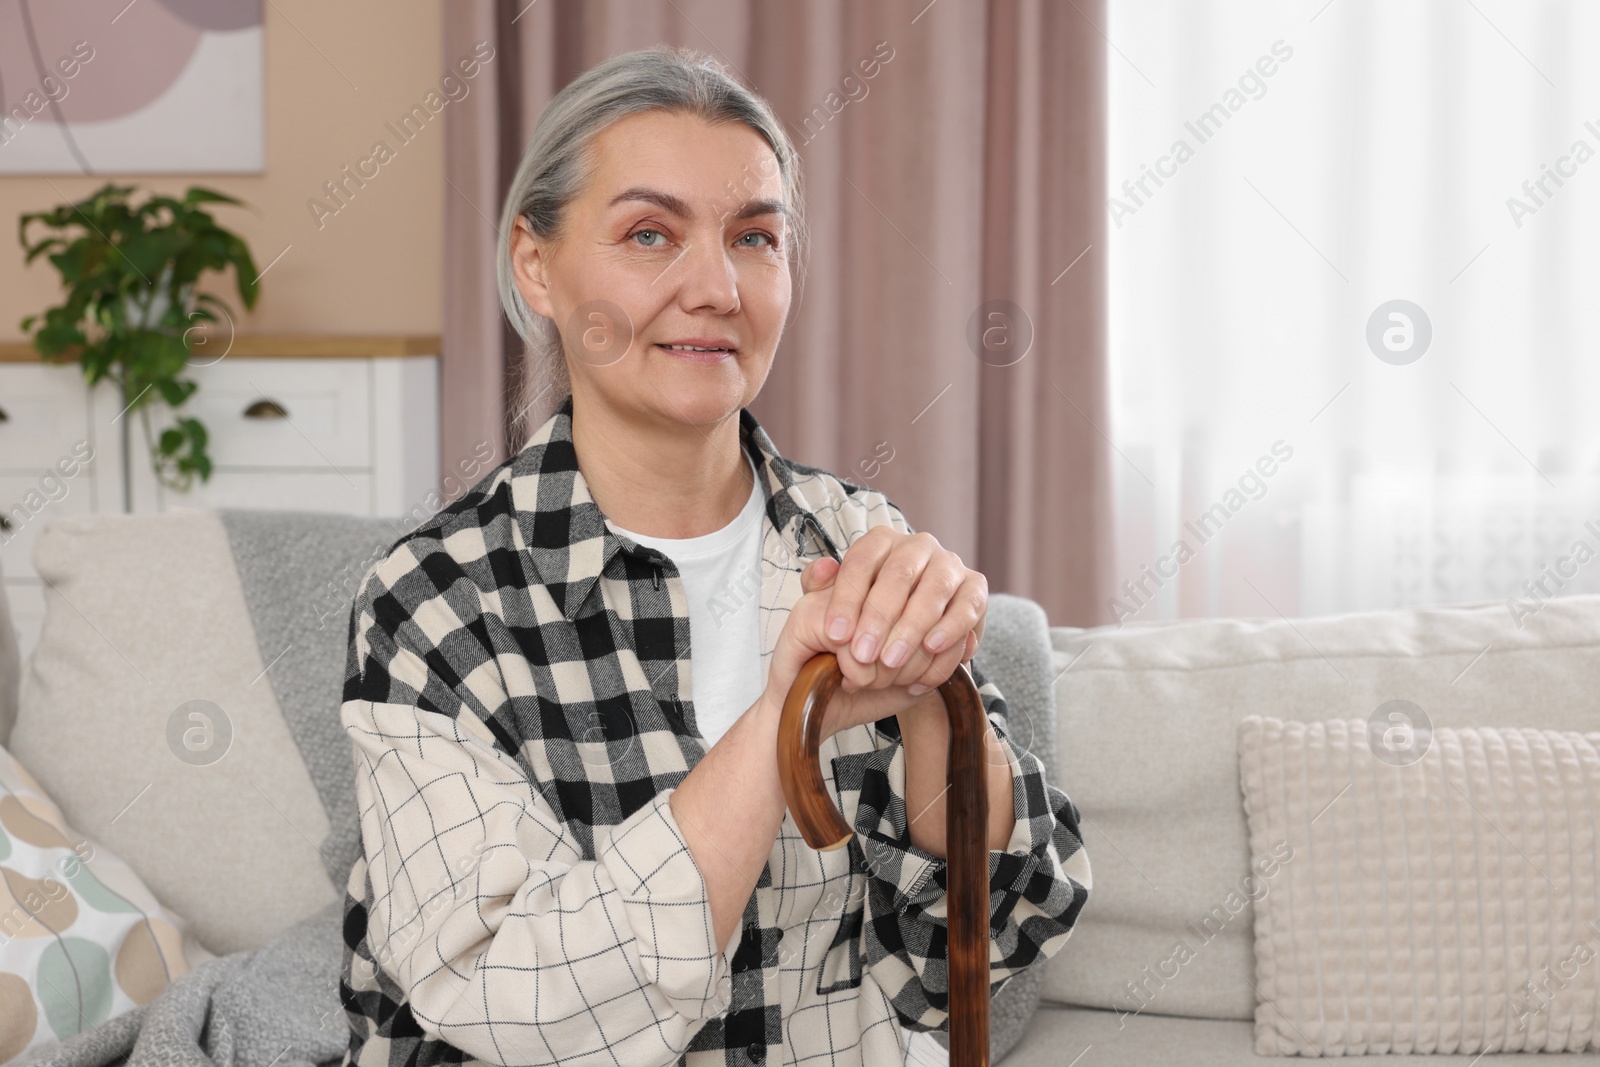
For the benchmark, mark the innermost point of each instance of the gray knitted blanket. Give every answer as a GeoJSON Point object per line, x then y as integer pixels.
{"type": "Point", "coordinates": [275, 1006]}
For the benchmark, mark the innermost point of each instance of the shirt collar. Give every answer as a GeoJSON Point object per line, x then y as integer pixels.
{"type": "Point", "coordinates": [568, 540]}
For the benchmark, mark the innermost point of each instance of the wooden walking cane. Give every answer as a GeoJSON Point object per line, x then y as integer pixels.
{"type": "Point", "coordinates": [966, 830]}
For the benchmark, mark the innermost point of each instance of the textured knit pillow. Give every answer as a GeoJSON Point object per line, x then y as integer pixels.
{"type": "Point", "coordinates": [81, 937]}
{"type": "Point", "coordinates": [1439, 889]}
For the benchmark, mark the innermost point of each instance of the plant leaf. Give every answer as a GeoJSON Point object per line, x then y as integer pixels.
{"type": "Point", "coordinates": [131, 274]}
{"type": "Point", "coordinates": [200, 195]}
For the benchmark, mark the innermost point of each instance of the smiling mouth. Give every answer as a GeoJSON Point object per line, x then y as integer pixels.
{"type": "Point", "coordinates": [694, 352]}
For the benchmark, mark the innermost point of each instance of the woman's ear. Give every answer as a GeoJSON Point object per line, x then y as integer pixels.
{"type": "Point", "coordinates": [528, 263]}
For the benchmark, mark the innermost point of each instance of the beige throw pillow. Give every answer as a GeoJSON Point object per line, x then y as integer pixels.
{"type": "Point", "coordinates": [1440, 891]}
{"type": "Point", "coordinates": [148, 646]}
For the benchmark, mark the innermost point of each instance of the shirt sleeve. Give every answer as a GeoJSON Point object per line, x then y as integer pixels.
{"type": "Point", "coordinates": [507, 942]}
{"type": "Point", "coordinates": [1037, 885]}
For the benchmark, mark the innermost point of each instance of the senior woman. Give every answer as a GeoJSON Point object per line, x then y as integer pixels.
{"type": "Point", "coordinates": [563, 689]}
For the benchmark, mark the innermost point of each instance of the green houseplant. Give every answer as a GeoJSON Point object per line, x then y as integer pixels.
{"type": "Point", "coordinates": [131, 306]}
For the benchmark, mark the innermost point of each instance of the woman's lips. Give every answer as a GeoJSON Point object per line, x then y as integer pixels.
{"type": "Point", "coordinates": [715, 356]}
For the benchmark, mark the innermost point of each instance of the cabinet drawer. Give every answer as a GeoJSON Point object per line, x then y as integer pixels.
{"type": "Point", "coordinates": [46, 413]}
{"type": "Point", "coordinates": [326, 404]}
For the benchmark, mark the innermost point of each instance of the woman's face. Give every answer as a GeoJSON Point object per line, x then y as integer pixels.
{"type": "Point", "coordinates": [678, 239]}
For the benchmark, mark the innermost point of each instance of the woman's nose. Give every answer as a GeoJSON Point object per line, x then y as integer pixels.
{"type": "Point", "coordinates": [707, 276]}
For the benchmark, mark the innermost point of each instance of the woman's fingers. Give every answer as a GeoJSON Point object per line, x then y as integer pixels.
{"type": "Point", "coordinates": [818, 574]}
{"type": "Point", "coordinates": [883, 632]}
{"type": "Point", "coordinates": [964, 609]}
{"type": "Point", "coordinates": [908, 610]}
{"type": "Point", "coordinates": [939, 671]}
{"type": "Point", "coordinates": [856, 573]}
{"type": "Point", "coordinates": [964, 612]}
{"type": "Point", "coordinates": [877, 558]}
{"type": "Point", "coordinates": [906, 649]}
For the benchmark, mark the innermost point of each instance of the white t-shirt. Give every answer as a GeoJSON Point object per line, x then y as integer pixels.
{"type": "Point", "coordinates": [721, 574]}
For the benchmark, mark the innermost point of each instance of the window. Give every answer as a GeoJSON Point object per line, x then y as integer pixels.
{"type": "Point", "coordinates": [1355, 262]}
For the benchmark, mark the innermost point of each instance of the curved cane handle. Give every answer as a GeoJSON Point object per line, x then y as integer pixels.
{"type": "Point", "coordinates": [966, 830]}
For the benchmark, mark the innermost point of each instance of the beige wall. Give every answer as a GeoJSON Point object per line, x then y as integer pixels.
{"type": "Point", "coordinates": [372, 268]}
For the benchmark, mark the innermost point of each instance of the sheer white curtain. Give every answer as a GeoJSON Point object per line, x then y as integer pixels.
{"type": "Point", "coordinates": [1292, 170]}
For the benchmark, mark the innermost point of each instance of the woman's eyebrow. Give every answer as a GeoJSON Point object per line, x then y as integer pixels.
{"type": "Point", "coordinates": [763, 206]}
{"type": "Point", "coordinates": [666, 201]}
{"type": "Point", "coordinates": [680, 207]}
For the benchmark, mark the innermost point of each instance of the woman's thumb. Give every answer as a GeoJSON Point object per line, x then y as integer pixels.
{"type": "Point", "coordinates": [819, 574]}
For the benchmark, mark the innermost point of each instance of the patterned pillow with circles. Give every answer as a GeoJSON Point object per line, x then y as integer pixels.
{"type": "Point", "coordinates": [81, 937]}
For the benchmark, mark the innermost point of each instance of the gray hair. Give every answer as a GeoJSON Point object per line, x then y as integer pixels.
{"type": "Point", "coordinates": [556, 165]}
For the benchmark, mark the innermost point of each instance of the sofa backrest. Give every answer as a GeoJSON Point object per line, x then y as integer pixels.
{"type": "Point", "coordinates": [1147, 716]}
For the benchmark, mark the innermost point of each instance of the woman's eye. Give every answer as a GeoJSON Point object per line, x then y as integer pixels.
{"type": "Point", "coordinates": [756, 233]}
{"type": "Point", "coordinates": [651, 244]}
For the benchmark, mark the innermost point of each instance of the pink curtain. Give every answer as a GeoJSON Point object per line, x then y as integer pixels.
{"type": "Point", "coordinates": [956, 207]}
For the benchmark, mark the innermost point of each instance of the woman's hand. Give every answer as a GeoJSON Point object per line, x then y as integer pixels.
{"type": "Point", "coordinates": [910, 611]}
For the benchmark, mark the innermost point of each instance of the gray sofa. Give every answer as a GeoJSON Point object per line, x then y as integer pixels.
{"type": "Point", "coordinates": [245, 613]}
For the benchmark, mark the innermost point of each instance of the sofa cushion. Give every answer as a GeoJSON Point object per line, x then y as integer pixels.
{"type": "Point", "coordinates": [1441, 893]}
{"type": "Point", "coordinates": [1147, 720]}
{"type": "Point", "coordinates": [1059, 1036]}
{"type": "Point", "coordinates": [153, 715]}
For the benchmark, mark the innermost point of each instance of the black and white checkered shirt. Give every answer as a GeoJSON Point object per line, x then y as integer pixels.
{"type": "Point", "coordinates": [518, 701]}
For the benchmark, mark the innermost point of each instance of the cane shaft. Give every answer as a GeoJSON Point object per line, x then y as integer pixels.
{"type": "Point", "coordinates": [966, 830]}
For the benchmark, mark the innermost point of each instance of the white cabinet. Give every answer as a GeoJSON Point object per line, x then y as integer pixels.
{"type": "Point", "coordinates": [357, 436]}
{"type": "Point", "coordinates": [50, 465]}
{"type": "Point", "coordinates": [43, 410]}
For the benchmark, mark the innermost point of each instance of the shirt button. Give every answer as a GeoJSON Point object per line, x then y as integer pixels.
{"type": "Point", "coordinates": [758, 1052]}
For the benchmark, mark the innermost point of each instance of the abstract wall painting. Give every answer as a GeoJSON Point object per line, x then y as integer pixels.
{"type": "Point", "coordinates": [131, 87]}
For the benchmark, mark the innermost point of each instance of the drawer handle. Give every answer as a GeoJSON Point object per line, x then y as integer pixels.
{"type": "Point", "coordinates": [266, 409]}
